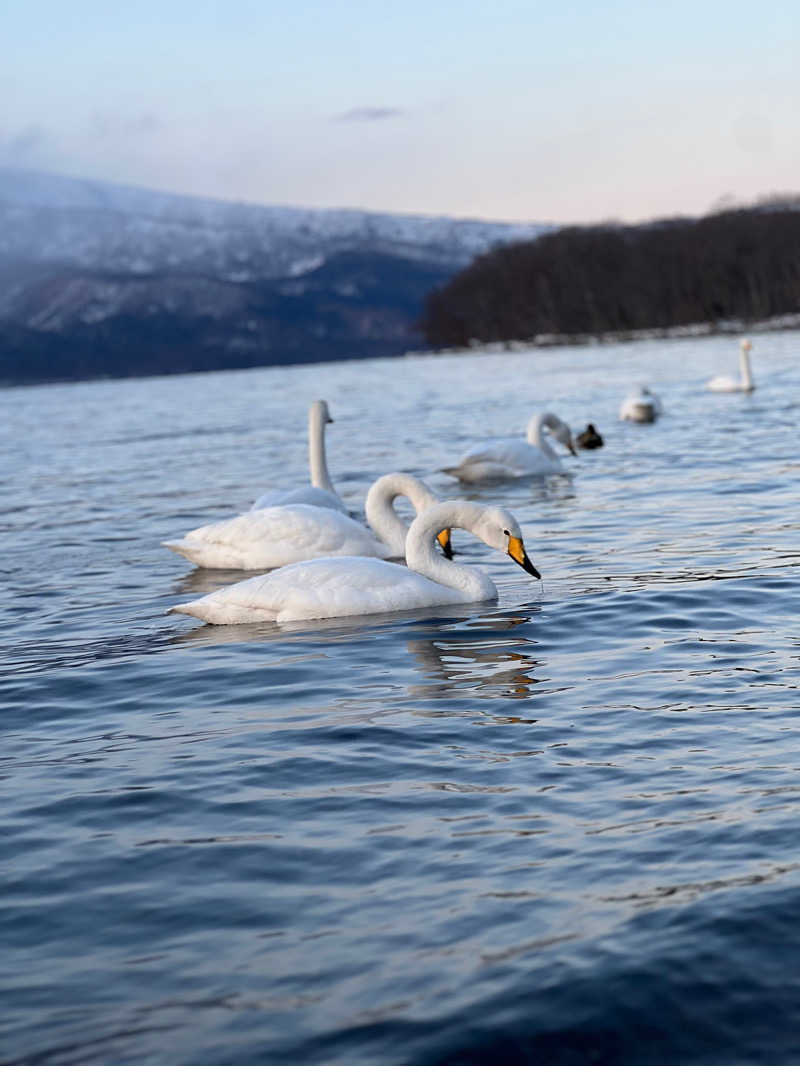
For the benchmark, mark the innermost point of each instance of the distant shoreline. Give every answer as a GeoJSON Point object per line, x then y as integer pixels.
{"type": "Point", "coordinates": [563, 340]}
{"type": "Point", "coordinates": [779, 323]}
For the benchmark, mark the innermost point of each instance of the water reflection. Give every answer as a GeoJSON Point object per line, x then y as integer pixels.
{"type": "Point", "coordinates": [200, 582]}
{"type": "Point", "coordinates": [208, 636]}
{"type": "Point", "coordinates": [489, 665]}
{"type": "Point", "coordinates": [450, 620]}
{"type": "Point", "coordinates": [532, 489]}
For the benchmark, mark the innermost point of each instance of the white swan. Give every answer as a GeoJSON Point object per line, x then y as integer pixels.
{"type": "Point", "coordinates": [745, 382]}
{"type": "Point", "coordinates": [320, 492]}
{"type": "Point", "coordinates": [641, 405]}
{"type": "Point", "coordinates": [337, 588]}
{"type": "Point", "coordinates": [498, 459]}
{"type": "Point", "coordinates": [276, 536]}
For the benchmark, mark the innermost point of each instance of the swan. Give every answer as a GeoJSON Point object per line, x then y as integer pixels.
{"type": "Point", "coordinates": [745, 383]}
{"type": "Point", "coordinates": [276, 536]}
{"type": "Point", "coordinates": [641, 405]}
{"type": "Point", "coordinates": [499, 459]}
{"type": "Point", "coordinates": [338, 588]}
{"type": "Point", "coordinates": [320, 492]}
{"type": "Point", "coordinates": [589, 438]}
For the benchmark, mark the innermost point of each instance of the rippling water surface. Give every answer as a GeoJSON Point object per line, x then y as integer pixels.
{"type": "Point", "coordinates": [559, 829]}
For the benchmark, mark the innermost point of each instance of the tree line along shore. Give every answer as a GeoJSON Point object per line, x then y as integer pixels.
{"type": "Point", "coordinates": [739, 265]}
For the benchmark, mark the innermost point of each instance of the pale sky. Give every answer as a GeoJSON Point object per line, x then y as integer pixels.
{"type": "Point", "coordinates": [578, 110]}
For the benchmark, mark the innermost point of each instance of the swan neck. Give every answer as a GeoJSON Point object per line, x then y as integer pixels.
{"type": "Point", "coordinates": [380, 512]}
{"type": "Point", "coordinates": [320, 478]}
{"type": "Point", "coordinates": [744, 365]}
{"type": "Point", "coordinates": [421, 554]}
{"type": "Point", "coordinates": [538, 438]}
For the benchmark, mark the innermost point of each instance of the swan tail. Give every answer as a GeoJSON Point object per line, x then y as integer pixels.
{"type": "Point", "coordinates": [187, 548]}
{"type": "Point", "coordinates": [175, 545]}
{"type": "Point", "coordinates": [458, 472]}
{"type": "Point", "coordinates": [471, 473]}
{"type": "Point", "coordinates": [217, 612]}
{"type": "Point", "coordinates": [196, 609]}
{"type": "Point", "coordinates": [209, 556]}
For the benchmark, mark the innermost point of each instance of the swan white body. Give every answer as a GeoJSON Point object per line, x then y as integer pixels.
{"type": "Point", "coordinates": [320, 493]}
{"type": "Point", "coordinates": [277, 536]}
{"type": "Point", "coordinates": [309, 494]}
{"type": "Point", "coordinates": [640, 406]}
{"type": "Point", "coordinates": [745, 381]}
{"type": "Point", "coordinates": [338, 588]}
{"type": "Point", "coordinates": [499, 459]}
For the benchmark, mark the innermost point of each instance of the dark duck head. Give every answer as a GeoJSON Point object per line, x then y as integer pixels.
{"type": "Point", "coordinates": [589, 438]}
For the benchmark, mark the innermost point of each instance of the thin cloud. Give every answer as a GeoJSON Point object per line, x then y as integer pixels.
{"type": "Point", "coordinates": [369, 114]}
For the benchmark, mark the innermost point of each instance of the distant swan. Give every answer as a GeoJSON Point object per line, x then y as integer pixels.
{"type": "Point", "coordinates": [276, 536]}
{"type": "Point", "coordinates": [337, 588]}
{"type": "Point", "coordinates": [589, 438]}
{"type": "Point", "coordinates": [320, 492]}
{"type": "Point", "coordinates": [641, 405]}
{"type": "Point", "coordinates": [745, 382]}
{"type": "Point", "coordinates": [498, 459]}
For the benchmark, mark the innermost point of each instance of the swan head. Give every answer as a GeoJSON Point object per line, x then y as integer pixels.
{"type": "Point", "coordinates": [446, 544]}
{"type": "Point", "coordinates": [379, 507]}
{"type": "Point", "coordinates": [745, 344]}
{"type": "Point", "coordinates": [319, 410]}
{"type": "Point", "coordinates": [563, 435]}
{"type": "Point", "coordinates": [499, 529]}
{"type": "Point", "coordinates": [558, 428]}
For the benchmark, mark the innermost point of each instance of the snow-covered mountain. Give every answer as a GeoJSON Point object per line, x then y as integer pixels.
{"type": "Point", "coordinates": [98, 270]}
{"type": "Point", "coordinates": [117, 227]}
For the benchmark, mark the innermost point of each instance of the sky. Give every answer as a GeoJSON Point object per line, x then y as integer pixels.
{"type": "Point", "coordinates": [556, 111]}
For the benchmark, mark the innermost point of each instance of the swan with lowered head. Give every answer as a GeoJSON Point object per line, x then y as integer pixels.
{"type": "Point", "coordinates": [641, 405]}
{"type": "Point", "coordinates": [338, 588]}
{"type": "Point", "coordinates": [277, 536]}
{"type": "Point", "coordinates": [499, 459]}
{"type": "Point", "coordinates": [745, 382]}
{"type": "Point", "coordinates": [320, 492]}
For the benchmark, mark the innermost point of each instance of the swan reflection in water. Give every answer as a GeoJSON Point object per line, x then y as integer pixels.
{"type": "Point", "coordinates": [488, 665]}
{"type": "Point", "coordinates": [327, 631]}
{"type": "Point", "coordinates": [202, 581]}
{"type": "Point", "coordinates": [532, 489]}
{"type": "Point", "coordinates": [453, 650]}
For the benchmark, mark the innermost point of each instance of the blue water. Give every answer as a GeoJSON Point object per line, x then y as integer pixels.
{"type": "Point", "coordinates": [562, 829]}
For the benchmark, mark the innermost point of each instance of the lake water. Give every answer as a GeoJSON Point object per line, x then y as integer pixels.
{"type": "Point", "coordinates": [559, 829]}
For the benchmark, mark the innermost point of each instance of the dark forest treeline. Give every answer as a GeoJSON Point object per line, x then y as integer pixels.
{"type": "Point", "coordinates": [739, 264]}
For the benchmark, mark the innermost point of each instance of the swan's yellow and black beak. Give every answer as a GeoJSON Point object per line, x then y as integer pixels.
{"type": "Point", "coordinates": [516, 549]}
{"type": "Point", "coordinates": [444, 540]}
{"type": "Point", "coordinates": [571, 446]}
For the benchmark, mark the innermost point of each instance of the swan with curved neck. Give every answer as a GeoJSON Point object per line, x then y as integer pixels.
{"type": "Point", "coordinates": [277, 536]}
{"type": "Point", "coordinates": [641, 405]}
{"type": "Point", "coordinates": [745, 381]}
{"type": "Point", "coordinates": [342, 587]}
{"type": "Point", "coordinates": [500, 459]}
{"type": "Point", "coordinates": [320, 492]}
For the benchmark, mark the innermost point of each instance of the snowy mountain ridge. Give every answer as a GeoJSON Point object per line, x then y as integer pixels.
{"type": "Point", "coordinates": [56, 219]}
{"type": "Point", "coordinates": [98, 279]}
